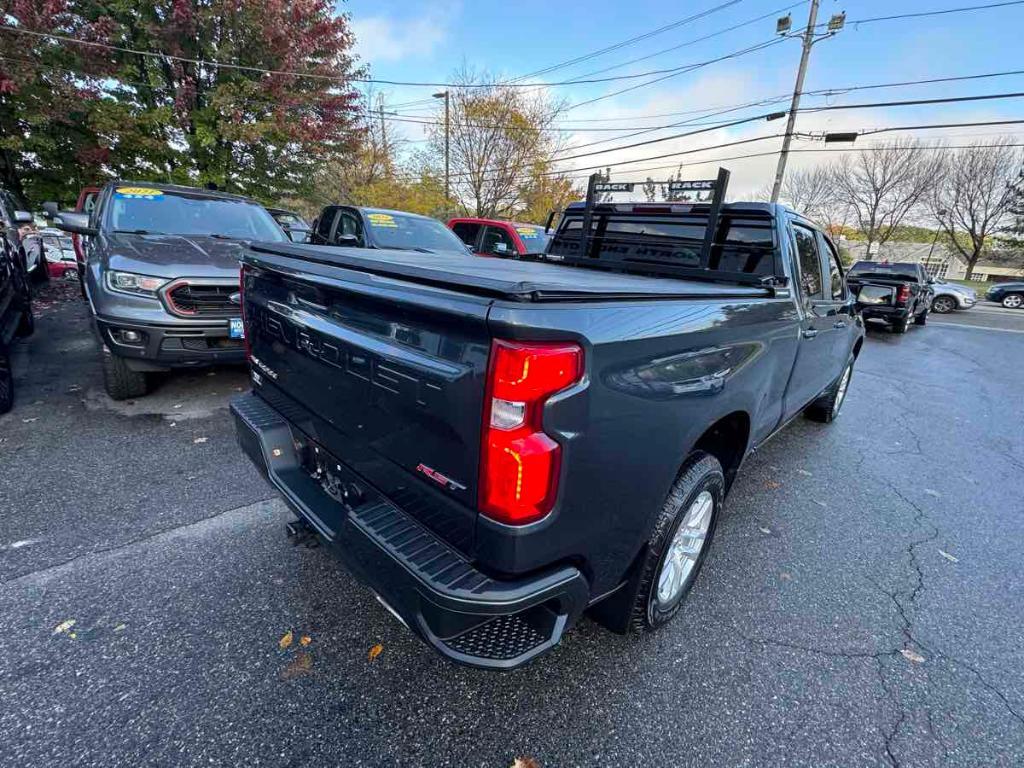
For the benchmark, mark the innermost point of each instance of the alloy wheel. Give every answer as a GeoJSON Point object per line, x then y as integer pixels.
{"type": "Point", "coordinates": [685, 549]}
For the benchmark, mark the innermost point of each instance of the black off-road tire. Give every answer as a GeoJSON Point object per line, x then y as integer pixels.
{"type": "Point", "coordinates": [27, 324]}
{"type": "Point", "coordinates": [700, 472]}
{"type": "Point", "coordinates": [900, 326]}
{"type": "Point", "coordinates": [921, 319]}
{"type": "Point", "coordinates": [829, 404]}
{"type": "Point", "coordinates": [6, 380]}
{"type": "Point", "coordinates": [120, 381]}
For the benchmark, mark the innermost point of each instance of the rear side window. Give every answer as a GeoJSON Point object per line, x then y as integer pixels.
{"type": "Point", "coordinates": [810, 264]}
{"type": "Point", "coordinates": [325, 224]}
{"type": "Point", "coordinates": [467, 232]}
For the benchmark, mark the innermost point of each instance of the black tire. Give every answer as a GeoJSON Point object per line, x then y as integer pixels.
{"type": "Point", "coordinates": [1013, 301]}
{"type": "Point", "coordinates": [900, 326]}
{"type": "Point", "coordinates": [921, 319]}
{"type": "Point", "coordinates": [943, 304]}
{"type": "Point", "coordinates": [701, 472]}
{"type": "Point", "coordinates": [27, 324]}
{"type": "Point", "coordinates": [120, 381]}
{"type": "Point", "coordinates": [6, 380]}
{"type": "Point", "coordinates": [829, 404]}
{"type": "Point", "coordinates": [42, 271]}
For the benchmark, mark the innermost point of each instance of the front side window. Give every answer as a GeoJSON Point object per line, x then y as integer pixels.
{"type": "Point", "coordinates": [497, 242]}
{"type": "Point", "coordinates": [325, 223]}
{"type": "Point", "coordinates": [151, 211]}
{"type": "Point", "coordinates": [810, 264]}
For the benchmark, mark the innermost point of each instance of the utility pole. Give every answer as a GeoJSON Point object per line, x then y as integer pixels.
{"type": "Point", "coordinates": [447, 155]}
{"type": "Point", "coordinates": [780, 171]}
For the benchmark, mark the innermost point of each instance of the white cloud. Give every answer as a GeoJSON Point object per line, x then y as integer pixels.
{"type": "Point", "coordinates": [385, 38]}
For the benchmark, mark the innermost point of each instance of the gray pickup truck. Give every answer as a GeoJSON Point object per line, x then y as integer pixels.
{"type": "Point", "coordinates": [161, 268]}
{"type": "Point", "coordinates": [495, 446]}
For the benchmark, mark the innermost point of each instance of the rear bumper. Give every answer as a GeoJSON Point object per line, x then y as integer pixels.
{"type": "Point", "coordinates": [170, 346]}
{"type": "Point", "coordinates": [889, 314]}
{"type": "Point", "coordinates": [463, 613]}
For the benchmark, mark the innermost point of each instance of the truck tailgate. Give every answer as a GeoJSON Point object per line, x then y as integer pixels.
{"type": "Point", "coordinates": [873, 295]}
{"type": "Point", "coordinates": [386, 377]}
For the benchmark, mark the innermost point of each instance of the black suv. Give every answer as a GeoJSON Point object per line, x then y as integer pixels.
{"type": "Point", "coordinates": [15, 308]}
{"type": "Point", "coordinates": [161, 274]}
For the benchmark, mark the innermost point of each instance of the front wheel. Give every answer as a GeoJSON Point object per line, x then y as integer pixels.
{"type": "Point", "coordinates": [943, 304]}
{"type": "Point", "coordinates": [680, 541]}
{"type": "Point", "coordinates": [120, 381]}
{"type": "Point", "coordinates": [1013, 300]}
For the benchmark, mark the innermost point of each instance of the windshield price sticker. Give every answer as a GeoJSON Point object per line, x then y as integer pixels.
{"type": "Point", "coordinates": [614, 186]}
{"type": "Point", "coordinates": [526, 232]}
{"type": "Point", "coordinates": [704, 185]}
{"type": "Point", "coordinates": [138, 193]}
{"type": "Point", "coordinates": [381, 220]}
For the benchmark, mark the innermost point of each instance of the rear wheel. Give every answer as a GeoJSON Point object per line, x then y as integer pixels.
{"type": "Point", "coordinates": [6, 380]}
{"type": "Point", "coordinates": [1013, 300]}
{"type": "Point", "coordinates": [943, 304]}
{"type": "Point", "coordinates": [900, 326]}
{"type": "Point", "coordinates": [120, 381]}
{"type": "Point", "coordinates": [681, 539]}
{"type": "Point", "coordinates": [827, 407]}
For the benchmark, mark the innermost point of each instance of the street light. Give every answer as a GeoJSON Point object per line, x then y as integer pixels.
{"type": "Point", "coordinates": [447, 173]}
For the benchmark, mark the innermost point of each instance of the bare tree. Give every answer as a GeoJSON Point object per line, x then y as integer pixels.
{"type": "Point", "coordinates": [496, 134]}
{"type": "Point", "coordinates": [883, 184]}
{"type": "Point", "coordinates": [975, 196]}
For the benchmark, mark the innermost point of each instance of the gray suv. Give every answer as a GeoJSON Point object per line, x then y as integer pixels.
{"type": "Point", "coordinates": [161, 274]}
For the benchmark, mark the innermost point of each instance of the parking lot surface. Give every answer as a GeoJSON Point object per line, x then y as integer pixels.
{"type": "Point", "coordinates": [862, 604]}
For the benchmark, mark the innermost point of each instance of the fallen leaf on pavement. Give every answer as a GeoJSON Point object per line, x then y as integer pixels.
{"type": "Point", "coordinates": [804, 472]}
{"type": "Point", "coordinates": [29, 421]}
{"type": "Point", "coordinates": [932, 492]}
{"type": "Point", "coordinates": [305, 640]}
{"type": "Point", "coordinates": [821, 504]}
{"type": "Point", "coordinates": [525, 762]}
{"type": "Point", "coordinates": [772, 484]}
{"type": "Point", "coordinates": [375, 651]}
{"type": "Point", "coordinates": [765, 531]}
{"type": "Point", "coordinates": [120, 627]}
{"type": "Point", "coordinates": [285, 641]}
{"type": "Point", "coordinates": [176, 406]}
{"type": "Point", "coordinates": [913, 656]}
{"type": "Point", "coordinates": [949, 557]}
{"type": "Point", "coordinates": [200, 440]}
{"type": "Point", "coordinates": [786, 576]}
{"type": "Point", "coordinates": [300, 665]}
{"type": "Point", "coordinates": [64, 626]}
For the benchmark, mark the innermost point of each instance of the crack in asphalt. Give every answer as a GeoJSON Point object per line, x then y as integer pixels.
{"type": "Point", "coordinates": [132, 542]}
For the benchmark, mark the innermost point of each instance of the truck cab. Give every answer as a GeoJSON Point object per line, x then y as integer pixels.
{"type": "Point", "coordinates": [503, 239]}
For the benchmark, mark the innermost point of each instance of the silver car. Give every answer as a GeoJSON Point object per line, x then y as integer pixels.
{"type": "Point", "coordinates": [952, 296]}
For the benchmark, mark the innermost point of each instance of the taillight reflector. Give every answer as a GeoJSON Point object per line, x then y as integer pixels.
{"type": "Point", "coordinates": [519, 463]}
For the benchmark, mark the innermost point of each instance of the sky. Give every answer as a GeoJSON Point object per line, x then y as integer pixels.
{"type": "Point", "coordinates": [416, 41]}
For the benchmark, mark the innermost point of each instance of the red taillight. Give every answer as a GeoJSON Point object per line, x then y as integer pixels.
{"type": "Point", "coordinates": [518, 462]}
{"type": "Point", "coordinates": [903, 294]}
{"type": "Point", "coordinates": [241, 306]}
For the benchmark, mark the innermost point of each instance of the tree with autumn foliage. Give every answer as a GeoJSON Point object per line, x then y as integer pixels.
{"type": "Point", "coordinates": [147, 103]}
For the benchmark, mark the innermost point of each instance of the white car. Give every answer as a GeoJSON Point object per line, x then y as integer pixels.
{"type": "Point", "coordinates": [952, 296]}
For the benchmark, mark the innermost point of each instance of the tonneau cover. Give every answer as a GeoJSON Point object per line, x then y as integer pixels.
{"type": "Point", "coordinates": [507, 278]}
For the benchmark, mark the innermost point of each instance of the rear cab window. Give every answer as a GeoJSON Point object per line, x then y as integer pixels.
{"type": "Point", "coordinates": [809, 262]}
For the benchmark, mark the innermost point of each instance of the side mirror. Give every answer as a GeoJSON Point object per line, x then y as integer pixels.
{"type": "Point", "coordinates": [50, 209]}
{"type": "Point", "coordinates": [349, 241]}
{"type": "Point", "coordinates": [76, 223]}
{"type": "Point", "coordinates": [22, 217]}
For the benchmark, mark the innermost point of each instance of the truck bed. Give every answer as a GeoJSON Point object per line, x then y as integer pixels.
{"type": "Point", "coordinates": [511, 279]}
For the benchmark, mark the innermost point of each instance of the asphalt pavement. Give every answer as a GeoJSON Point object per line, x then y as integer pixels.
{"type": "Point", "coordinates": [863, 603]}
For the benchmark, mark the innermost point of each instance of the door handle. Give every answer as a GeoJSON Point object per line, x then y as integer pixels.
{"type": "Point", "coordinates": [810, 333]}
{"type": "Point", "coordinates": [840, 324]}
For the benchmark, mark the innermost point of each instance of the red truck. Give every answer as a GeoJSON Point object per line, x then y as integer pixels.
{"type": "Point", "coordinates": [492, 237]}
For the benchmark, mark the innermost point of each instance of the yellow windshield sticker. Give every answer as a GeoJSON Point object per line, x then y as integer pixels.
{"type": "Point", "coordinates": [527, 231]}
{"type": "Point", "coordinates": [381, 220]}
{"type": "Point", "coordinates": [146, 193]}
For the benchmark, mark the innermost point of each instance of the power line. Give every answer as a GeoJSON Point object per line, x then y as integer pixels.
{"type": "Point", "coordinates": [624, 43]}
{"type": "Point", "coordinates": [688, 43]}
{"type": "Point", "coordinates": [940, 12]}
